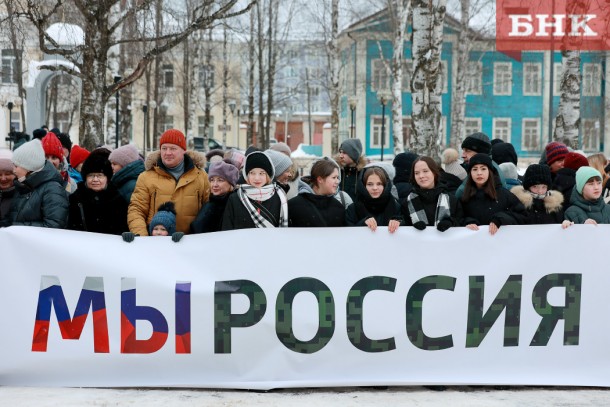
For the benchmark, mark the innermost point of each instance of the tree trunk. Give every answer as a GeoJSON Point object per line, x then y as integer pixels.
{"type": "Point", "coordinates": [567, 122]}
{"type": "Point", "coordinates": [458, 97]}
{"type": "Point", "coordinates": [427, 84]}
{"type": "Point", "coordinates": [333, 53]}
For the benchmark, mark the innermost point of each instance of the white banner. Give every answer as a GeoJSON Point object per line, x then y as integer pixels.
{"type": "Point", "coordinates": [264, 309]}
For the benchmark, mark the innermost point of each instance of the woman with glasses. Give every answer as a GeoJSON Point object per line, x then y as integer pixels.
{"type": "Point", "coordinates": [97, 206]}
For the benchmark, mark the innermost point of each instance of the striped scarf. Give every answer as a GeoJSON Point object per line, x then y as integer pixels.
{"type": "Point", "coordinates": [248, 193]}
{"type": "Point", "coordinates": [418, 214]}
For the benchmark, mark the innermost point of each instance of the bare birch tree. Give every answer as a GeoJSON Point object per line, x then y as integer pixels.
{"type": "Point", "coordinates": [426, 83]}
{"type": "Point", "coordinates": [102, 21]}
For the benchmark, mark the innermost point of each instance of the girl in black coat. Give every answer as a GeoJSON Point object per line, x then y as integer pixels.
{"type": "Point", "coordinates": [375, 205]}
{"type": "Point", "coordinates": [223, 177]}
{"type": "Point", "coordinates": [485, 203]}
{"type": "Point", "coordinates": [317, 204]}
{"type": "Point", "coordinates": [96, 205]}
{"type": "Point", "coordinates": [259, 203]}
{"type": "Point", "coordinates": [429, 204]}
{"type": "Point", "coordinates": [542, 206]}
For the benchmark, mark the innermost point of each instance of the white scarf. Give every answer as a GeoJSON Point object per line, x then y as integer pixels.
{"type": "Point", "coordinates": [248, 193]}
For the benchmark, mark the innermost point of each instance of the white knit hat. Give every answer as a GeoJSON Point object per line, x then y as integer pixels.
{"type": "Point", "coordinates": [29, 156]}
{"type": "Point", "coordinates": [6, 160]}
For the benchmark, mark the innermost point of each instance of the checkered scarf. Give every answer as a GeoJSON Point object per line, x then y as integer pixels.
{"type": "Point", "coordinates": [247, 194]}
{"type": "Point", "coordinates": [418, 214]}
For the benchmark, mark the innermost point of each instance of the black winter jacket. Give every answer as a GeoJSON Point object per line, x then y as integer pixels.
{"type": "Point", "coordinates": [383, 209]}
{"type": "Point", "coordinates": [540, 211]}
{"type": "Point", "coordinates": [209, 218]}
{"type": "Point", "coordinates": [100, 212]}
{"type": "Point", "coordinates": [482, 210]}
{"type": "Point", "coordinates": [41, 200]}
{"type": "Point", "coordinates": [236, 215]}
{"type": "Point", "coordinates": [429, 201]}
{"type": "Point", "coordinates": [564, 182]}
{"type": "Point", "coordinates": [310, 210]}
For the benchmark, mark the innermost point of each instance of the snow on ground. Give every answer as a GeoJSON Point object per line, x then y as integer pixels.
{"type": "Point", "coordinates": [461, 396]}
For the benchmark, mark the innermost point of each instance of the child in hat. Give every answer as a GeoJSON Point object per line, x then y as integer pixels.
{"type": "Point", "coordinates": [163, 223]}
{"type": "Point", "coordinates": [542, 205]}
{"type": "Point", "coordinates": [587, 205]}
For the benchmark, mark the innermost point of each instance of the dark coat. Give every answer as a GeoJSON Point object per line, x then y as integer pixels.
{"type": "Point", "coordinates": [209, 218]}
{"type": "Point", "coordinates": [429, 201]}
{"type": "Point", "coordinates": [310, 210]}
{"type": "Point", "coordinates": [125, 178]}
{"type": "Point", "coordinates": [41, 200]}
{"type": "Point", "coordinates": [236, 215]}
{"type": "Point", "coordinates": [564, 182]}
{"type": "Point", "coordinates": [350, 177]}
{"type": "Point", "coordinates": [580, 209]}
{"type": "Point", "coordinates": [383, 209]}
{"type": "Point", "coordinates": [99, 212]}
{"type": "Point", "coordinates": [540, 211]}
{"type": "Point", "coordinates": [482, 210]}
{"type": "Point", "coordinates": [6, 198]}
{"type": "Point", "coordinates": [451, 182]}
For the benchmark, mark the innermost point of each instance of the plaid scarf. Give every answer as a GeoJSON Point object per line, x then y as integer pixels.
{"type": "Point", "coordinates": [418, 214]}
{"type": "Point", "coordinates": [247, 194]}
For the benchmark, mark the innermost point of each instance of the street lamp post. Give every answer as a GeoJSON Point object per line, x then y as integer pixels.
{"type": "Point", "coordinates": [145, 130]}
{"type": "Point", "coordinates": [384, 98]}
{"type": "Point", "coordinates": [9, 137]}
{"type": "Point", "coordinates": [116, 95]}
{"type": "Point", "coordinates": [352, 106]}
{"type": "Point", "coordinates": [232, 106]}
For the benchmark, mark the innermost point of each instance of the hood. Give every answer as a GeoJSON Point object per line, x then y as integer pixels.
{"type": "Point", "coordinates": [359, 165]}
{"type": "Point", "coordinates": [552, 202]}
{"type": "Point", "coordinates": [48, 173]}
{"type": "Point", "coordinates": [198, 158]}
{"type": "Point", "coordinates": [304, 186]}
{"type": "Point", "coordinates": [588, 206]}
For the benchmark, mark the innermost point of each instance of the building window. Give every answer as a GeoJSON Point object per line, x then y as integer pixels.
{"type": "Point", "coordinates": [63, 121]}
{"type": "Point", "coordinates": [557, 71]}
{"type": "Point", "coordinates": [531, 79]}
{"type": "Point", "coordinates": [445, 75]}
{"type": "Point", "coordinates": [530, 139]}
{"type": "Point", "coordinates": [474, 78]}
{"type": "Point", "coordinates": [16, 120]}
{"type": "Point", "coordinates": [376, 133]}
{"type": "Point", "coordinates": [167, 122]}
{"type": "Point", "coordinates": [206, 76]}
{"type": "Point", "coordinates": [591, 79]}
{"type": "Point", "coordinates": [201, 126]}
{"type": "Point", "coordinates": [590, 135]}
{"type": "Point", "coordinates": [407, 74]}
{"type": "Point", "coordinates": [501, 128]}
{"type": "Point", "coordinates": [407, 130]}
{"type": "Point", "coordinates": [472, 125]}
{"type": "Point", "coordinates": [503, 78]}
{"type": "Point", "coordinates": [379, 75]}
{"type": "Point", "coordinates": [9, 66]}
{"type": "Point", "coordinates": [167, 72]}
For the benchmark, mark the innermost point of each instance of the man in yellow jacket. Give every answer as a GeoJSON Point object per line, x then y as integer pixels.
{"type": "Point", "coordinates": [172, 174]}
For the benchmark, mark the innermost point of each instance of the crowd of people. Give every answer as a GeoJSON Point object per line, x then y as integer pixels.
{"type": "Point", "coordinates": [48, 182]}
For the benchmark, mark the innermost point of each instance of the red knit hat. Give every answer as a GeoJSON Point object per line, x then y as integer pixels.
{"type": "Point", "coordinates": [575, 161]}
{"type": "Point", "coordinates": [555, 151]}
{"type": "Point", "coordinates": [52, 146]}
{"type": "Point", "coordinates": [173, 136]}
{"type": "Point", "coordinates": [78, 155]}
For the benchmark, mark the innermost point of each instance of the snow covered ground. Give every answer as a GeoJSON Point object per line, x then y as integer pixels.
{"type": "Point", "coordinates": [411, 396]}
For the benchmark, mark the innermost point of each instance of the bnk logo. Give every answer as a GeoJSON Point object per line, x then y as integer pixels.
{"type": "Point", "coordinates": [536, 26]}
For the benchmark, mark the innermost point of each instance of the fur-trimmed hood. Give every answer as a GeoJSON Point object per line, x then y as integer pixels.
{"type": "Point", "coordinates": [198, 158]}
{"type": "Point", "coordinates": [552, 202]}
{"type": "Point", "coordinates": [362, 162]}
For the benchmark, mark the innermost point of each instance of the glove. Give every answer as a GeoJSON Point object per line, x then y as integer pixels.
{"type": "Point", "coordinates": [419, 225]}
{"type": "Point", "coordinates": [443, 225]}
{"type": "Point", "coordinates": [177, 236]}
{"type": "Point", "coordinates": [129, 236]}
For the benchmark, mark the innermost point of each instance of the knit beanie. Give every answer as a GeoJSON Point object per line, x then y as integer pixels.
{"type": "Point", "coordinates": [173, 136]}
{"type": "Point", "coordinates": [166, 216]}
{"type": "Point", "coordinates": [124, 155]}
{"type": "Point", "coordinates": [583, 175]}
{"type": "Point", "coordinates": [452, 165]}
{"type": "Point", "coordinates": [258, 159]}
{"type": "Point", "coordinates": [509, 170]}
{"type": "Point", "coordinates": [555, 151]}
{"type": "Point", "coordinates": [353, 148]}
{"type": "Point", "coordinates": [52, 146]}
{"type": "Point", "coordinates": [478, 142]}
{"type": "Point", "coordinates": [481, 158]}
{"type": "Point", "coordinates": [281, 162]}
{"type": "Point", "coordinates": [78, 155]}
{"type": "Point", "coordinates": [6, 160]}
{"type": "Point", "coordinates": [503, 153]}
{"type": "Point", "coordinates": [97, 162]}
{"type": "Point", "coordinates": [224, 170]}
{"type": "Point", "coordinates": [214, 153]}
{"type": "Point", "coordinates": [30, 156]}
{"type": "Point", "coordinates": [575, 161]}
{"type": "Point", "coordinates": [39, 133]}
{"type": "Point", "coordinates": [281, 147]}
{"type": "Point", "coordinates": [235, 158]}
{"type": "Point", "coordinates": [65, 141]}
{"type": "Point", "coordinates": [537, 174]}
{"type": "Point", "coordinates": [251, 148]}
